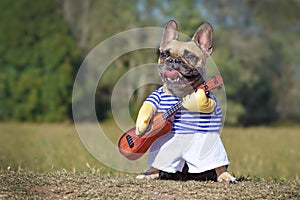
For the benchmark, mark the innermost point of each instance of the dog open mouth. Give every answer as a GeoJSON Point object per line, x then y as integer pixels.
{"type": "Point", "coordinates": [175, 77]}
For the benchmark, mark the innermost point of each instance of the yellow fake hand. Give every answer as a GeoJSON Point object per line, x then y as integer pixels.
{"type": "Point", "coordinates": [144, 117]}
{"type": "Point", "coordinates": [199, 102]}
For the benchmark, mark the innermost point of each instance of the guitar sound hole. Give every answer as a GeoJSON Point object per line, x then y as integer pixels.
{"type": "Point", "coordinates": [130, 141]}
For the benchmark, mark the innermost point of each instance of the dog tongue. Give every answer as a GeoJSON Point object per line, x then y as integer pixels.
{"type": "Point", "coordinates": [173, 74]}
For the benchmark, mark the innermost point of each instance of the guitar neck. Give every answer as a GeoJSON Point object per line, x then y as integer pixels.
{"type": "Point", "coordinates": [211, 84]}
{"type": "Point", "coordinates": [168, 113]}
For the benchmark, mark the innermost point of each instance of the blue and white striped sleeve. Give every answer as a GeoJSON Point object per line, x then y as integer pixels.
{"type": "Point", "coordinates": [154, 98]}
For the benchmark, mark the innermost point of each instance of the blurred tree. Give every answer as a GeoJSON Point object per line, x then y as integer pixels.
{"type": "Point", "coordinates": [91, 23]}
{"type": "Point", "coordinates": [280, 23]}
{"type": "Point", "coordinates": [256, 50]}
{"type": "Point", "coordinates": [38, 59]}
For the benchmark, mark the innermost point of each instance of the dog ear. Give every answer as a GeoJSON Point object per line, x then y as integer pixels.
{"type": "Point", "coordinates": [203, 37]}
{"type": "Point", "coordinates": [170, 32]}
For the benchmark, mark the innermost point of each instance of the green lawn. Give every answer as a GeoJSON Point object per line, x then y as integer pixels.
{"type": "Point", "coordinates": [262, 152]}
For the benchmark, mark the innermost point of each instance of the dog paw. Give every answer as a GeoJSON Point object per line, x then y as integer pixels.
{"type": "Point", "coordinates": [226, 177]}
{"type": "Point", "coordinates": [150, 174]}
{"type": "Point", "coordinates": [147, 177]}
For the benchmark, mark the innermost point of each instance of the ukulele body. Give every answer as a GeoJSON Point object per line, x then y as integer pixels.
{"type": "Point", "coordinates": [133, 146]}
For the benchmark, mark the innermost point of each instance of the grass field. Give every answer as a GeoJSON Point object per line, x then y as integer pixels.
{"type": "Point", "coordinates": [43, 147]}
{"type": "Point", "coordinates": [259, 152]}
{"type": "Point", "coordinates": [48, 161]}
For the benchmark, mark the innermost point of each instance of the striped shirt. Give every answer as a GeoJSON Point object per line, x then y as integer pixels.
{"type": "Point", "coordinates": [185, 121]}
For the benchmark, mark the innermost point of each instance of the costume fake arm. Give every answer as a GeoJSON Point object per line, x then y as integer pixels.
{"type": "Point", "coordinates": [199, 102]}
{"type": "Point", "coordinates": [144, 117]}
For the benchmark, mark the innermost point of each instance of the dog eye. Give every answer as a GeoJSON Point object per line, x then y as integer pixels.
{"type": "Point", "coordinates": [191, 57]}
{"type": "Point", "coordinates": [164, 54]}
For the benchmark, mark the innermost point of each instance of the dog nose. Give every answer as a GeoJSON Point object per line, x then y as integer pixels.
{"type": "Point", "coordinates": [174, 60]}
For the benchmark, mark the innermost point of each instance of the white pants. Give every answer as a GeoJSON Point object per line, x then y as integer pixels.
{"type": "Point", "coordinates": [201, 152]}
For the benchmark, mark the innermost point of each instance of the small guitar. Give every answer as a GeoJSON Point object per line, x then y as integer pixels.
{"type": "Point", "coordinates": [133, 146]}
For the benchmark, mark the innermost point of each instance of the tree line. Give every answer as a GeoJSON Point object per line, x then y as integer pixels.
{"type": "Point", "coordinates": [42, 44]}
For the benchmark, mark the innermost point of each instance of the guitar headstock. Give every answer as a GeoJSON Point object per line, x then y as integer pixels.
{"type": "Point", "coordinates": [212, 83]}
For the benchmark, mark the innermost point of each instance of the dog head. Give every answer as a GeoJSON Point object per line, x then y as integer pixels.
{"type": "Point", "coordinates": [181, 65]}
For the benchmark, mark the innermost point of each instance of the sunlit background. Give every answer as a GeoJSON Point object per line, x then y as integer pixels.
{"type": "Point", "coordinates": [43, 43]}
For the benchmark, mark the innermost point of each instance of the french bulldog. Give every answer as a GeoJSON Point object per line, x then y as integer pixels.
{"type": "Point", "coordinates": [181, 66]}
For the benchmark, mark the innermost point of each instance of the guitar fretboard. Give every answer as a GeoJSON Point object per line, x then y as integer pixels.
{"type": "Point", "coordinates": [172, 109]}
